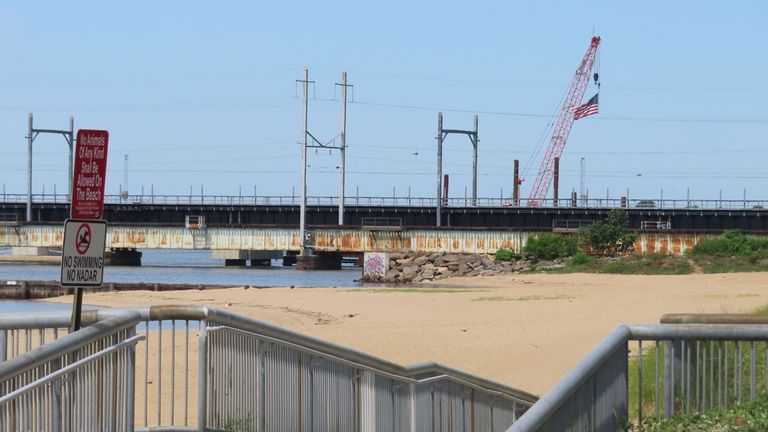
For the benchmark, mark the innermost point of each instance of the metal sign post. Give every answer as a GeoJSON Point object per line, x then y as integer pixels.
{"type": "Point", "coordinates": [82, 258]}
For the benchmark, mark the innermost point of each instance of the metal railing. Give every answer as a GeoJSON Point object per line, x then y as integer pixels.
{"type": "Point", "coordinates": [673, 368]}
{"type": "Point", "coordinates": [569, 225]}
{"type": "Point", "coordinates": [401, 201]}
{"type": "Point", "coordinates": [250, 375]}
{"type": "Point", "coordinates": [82, 381]}
{"type": "Point", "coordinates": [656, 225]}
{"type": "Point", "coordinates": [382, 223]}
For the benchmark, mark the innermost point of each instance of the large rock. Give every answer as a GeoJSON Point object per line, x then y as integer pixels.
{"type": "Point", "coordinates": [420, 261]}
{"type": "Point", "coordinates": [487, 261]}
{"type": "Point", "coordinates": [391, 275]}
{"type": "Point", "coordinates": [463, 268]}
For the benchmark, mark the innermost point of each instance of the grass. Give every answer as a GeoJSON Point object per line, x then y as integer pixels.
{"type": "Point", "coordinates": [417, 290]}
{"type": "Point", "coordinates": [525, 298]}
{"type": "Point", "coordinates": [733, 264]}
{"type": "Point", "coordinates": [652, 264]}
{"type": "Point", "coordinates": [762, 311]}
{"type": "Point", "coordinates": [745, 416]}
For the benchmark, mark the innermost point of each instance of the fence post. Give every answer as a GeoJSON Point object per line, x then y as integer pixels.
{"type": "Point", "coordinates": [672, 370]}
{"type": "Point", "coordinates": [367, 402]}
{"type": "Point", "coordinates": [202, 377]}
{"type": "Point", "coordinates": [3, 345]}
{"type": "Point", "coordinates": [130, 386]}
{"type": "Point", "coordinates": [412, 398]}
{"type": "Point", "coordinates": [261, 391]}
{"type": "Point", "coordinates": [56, 418]}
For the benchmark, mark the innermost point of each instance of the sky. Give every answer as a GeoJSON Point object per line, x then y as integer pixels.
{"type": "Point", "coordinates": [203, 95]}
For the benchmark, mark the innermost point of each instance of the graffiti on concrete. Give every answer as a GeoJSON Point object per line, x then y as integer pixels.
{"type": "Point", "coordinates": [375, 263]}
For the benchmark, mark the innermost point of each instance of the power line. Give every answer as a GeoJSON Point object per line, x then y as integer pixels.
{"type": "Point", "coordinates": [549, 85]}
{"type": "Point", "coordinates": [268, 102]}
{"type": "Point", "coordinates": [601, 117]}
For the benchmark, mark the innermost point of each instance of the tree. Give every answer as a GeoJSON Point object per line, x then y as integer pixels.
{"type": "Point", "coordinates": [609, 236]}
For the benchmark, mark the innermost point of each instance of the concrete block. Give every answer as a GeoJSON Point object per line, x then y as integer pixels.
{"type": "Point", "coordinates": [30, 251]}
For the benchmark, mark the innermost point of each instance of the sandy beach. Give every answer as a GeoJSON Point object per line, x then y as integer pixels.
{"type": "Point", "coordinates": [525, 331]}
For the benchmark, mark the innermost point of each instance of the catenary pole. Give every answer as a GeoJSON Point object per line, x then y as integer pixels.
{"type": "Point", "coordinates": [71, 143]}
{"type": "Point", "coordinates": [439, 205]}
{"type": "Point", "coordinates": [302, 216]}
{"type": "Point", "coordinates": [29, 170]}
{"type": "Point", "coordinates": [343, 148]}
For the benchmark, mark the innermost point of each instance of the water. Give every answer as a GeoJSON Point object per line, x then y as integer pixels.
{"type": "Point", "coordinates": [196, 267]}
{"type": "Point", "coordinates": [178, 266]}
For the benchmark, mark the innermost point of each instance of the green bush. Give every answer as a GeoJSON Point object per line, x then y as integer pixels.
{"type": "Point", "coordinates": [547, 246]}
{"type": "Point", "coordinates": [733, 244]}
{"type": "Point", "coordinates": [504, 255]}
{"type": "Point", "coordinates": [609, 236]}
{"type": "Point", "coordinates": [579, 259]}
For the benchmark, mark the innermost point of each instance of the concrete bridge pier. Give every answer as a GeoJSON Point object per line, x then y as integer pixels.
{"type": "Point", "coordinates": [239, 258]}
{"type": "Point", "coordinates": [123, 257]}
{"type": "Point", "coordinates": [319, 261]}
{"type": "Point", "coordinates": [30, 251]}
{"type": "Point", "coordinates": [289, 258]}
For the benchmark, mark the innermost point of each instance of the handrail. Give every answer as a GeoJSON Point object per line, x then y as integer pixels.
{"type": "Point", "coordinates": [69, 368]}
{"type": "Point", "coordinates": [64, 345]}
{"type": "Point", "coordinates": [549, 403]}
{"type": "Point", "coordinates": [410, 378]}
{"type": "Point", "coordinates": [219, 317]}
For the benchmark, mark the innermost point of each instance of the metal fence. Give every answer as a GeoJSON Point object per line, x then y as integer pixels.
{"type": "Point", "coordinates": [82, 381]}
{"type": "Point", "coordinates": [254, 377]}
{"type": "Point", "coordinates": [404, 201]}
{"type": "Point", "coordinates": [644, 372]}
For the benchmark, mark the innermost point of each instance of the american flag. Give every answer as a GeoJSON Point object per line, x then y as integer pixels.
{"type": "Point", "coordinates": [587, 109]}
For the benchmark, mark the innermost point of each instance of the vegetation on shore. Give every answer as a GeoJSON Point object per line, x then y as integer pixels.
{"type": "Point", "coordinates": [607, 247]}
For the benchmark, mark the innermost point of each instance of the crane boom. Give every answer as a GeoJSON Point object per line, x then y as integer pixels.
{"type": "Point", "coordinates": [563, 125]}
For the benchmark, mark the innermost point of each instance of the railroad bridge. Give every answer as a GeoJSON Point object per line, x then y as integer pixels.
{"type": "Point", "coordinates": [701, 216]}
{"type": "Point", "coordinates": [266, 229]}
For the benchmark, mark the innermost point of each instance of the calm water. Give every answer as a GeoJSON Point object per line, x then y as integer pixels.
{"type": "Point", "coordinates": [193, 267]}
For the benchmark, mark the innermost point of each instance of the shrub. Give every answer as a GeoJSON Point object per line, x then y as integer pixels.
{"type": "Point", "coordinates": [733, 244]}
{"type": "Point", "coordinates": [579, 259]}
{"type": "Point", "coordinates": [504, 255]}
{"type": "Point", "coordinates": [547, 246]}
{"type": "Point", "coordinates": [609, 236]}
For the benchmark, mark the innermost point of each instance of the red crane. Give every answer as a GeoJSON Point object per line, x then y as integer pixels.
{"type": "Point", "coordinates": [563, 125]}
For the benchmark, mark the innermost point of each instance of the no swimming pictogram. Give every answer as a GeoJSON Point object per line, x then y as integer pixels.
{"type": "Point", "coordinates": [83, 241]}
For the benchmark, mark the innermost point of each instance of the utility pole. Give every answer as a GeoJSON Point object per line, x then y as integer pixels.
{"type": "Point", "coordinates": [315, 143]}
{"type": "Point", "coordinates": [441, 134]}
{"type": "Point", "coordinates": [304, 133]}
{"type": "Point", "coordinates": [124, 192]}
{"type": "Point", "coordinates": [32, 133]}
{"type": "Point", "coordinates": [439, 205]}
{"type": "Point", "coordinates": [583, 188]}
{"type": "Point", "coordinates": [343, 146]}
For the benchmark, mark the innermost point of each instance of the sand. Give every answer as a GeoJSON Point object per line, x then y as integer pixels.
{"type": "Point", "coordinates": [525, 331]}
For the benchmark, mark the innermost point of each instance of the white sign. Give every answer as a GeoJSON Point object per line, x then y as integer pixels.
{"type": "Point", "coordinates": [82, 257]}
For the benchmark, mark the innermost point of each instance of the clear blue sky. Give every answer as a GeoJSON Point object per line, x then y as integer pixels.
{"type": "Point", "coordinates": [204, 93]}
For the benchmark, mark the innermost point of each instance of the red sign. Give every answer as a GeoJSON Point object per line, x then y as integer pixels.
{"type": "Point", "coordinates": [89, 175]}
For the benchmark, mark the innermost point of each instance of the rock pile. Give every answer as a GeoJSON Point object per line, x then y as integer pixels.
{"type": "Point", "coordinates": [420, 267]}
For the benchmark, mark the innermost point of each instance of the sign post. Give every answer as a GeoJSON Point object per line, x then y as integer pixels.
{"type": "Point", "coordinates": [82, 258]}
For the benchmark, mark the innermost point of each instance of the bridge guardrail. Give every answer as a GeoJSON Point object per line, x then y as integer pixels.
{"type": "Point", "coordinates": [402, 201]}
